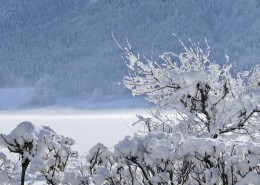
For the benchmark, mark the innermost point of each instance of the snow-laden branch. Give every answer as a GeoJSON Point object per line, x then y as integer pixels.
{"type": "Point", "coordinates": [214, 101]}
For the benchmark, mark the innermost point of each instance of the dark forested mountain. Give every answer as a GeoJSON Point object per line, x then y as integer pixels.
{"type": "Point", "coordinates": [69, 44]}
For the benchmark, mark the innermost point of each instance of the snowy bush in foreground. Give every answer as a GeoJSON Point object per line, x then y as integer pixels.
{"type": "Point", "coordinates": [40, 150]}
{"type": "Point", "coordinates": [211, 135]}
{"type": "Point", "coordinates": [167, 158]}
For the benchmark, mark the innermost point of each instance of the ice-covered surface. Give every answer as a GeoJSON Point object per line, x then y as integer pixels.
{"type": "Point", "coordinates": [86, 127]}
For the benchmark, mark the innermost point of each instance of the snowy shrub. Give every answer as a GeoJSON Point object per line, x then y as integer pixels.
{"type": "Point", "coordinates": [205, 130]}
{"type": "Point", "coordinates": [41, 150]}
{"type": "Point", "coordinates": [169, 158]}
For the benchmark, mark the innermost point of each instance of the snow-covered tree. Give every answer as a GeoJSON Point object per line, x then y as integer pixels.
{"type": "Point", "coordinates": [205, 130]}
{"type": "Point", "coordinates": [209, 101]}
{"type": "Point", "coordinates": [211, 109]}
{"type": "Point", "coordinates": [41, 149]}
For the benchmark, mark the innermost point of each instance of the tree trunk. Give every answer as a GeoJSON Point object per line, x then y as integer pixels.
{"type": "Point", "coordinates": [24, 167]}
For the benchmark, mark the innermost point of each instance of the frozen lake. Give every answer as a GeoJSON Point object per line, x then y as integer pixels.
{"type": "Point", "coordinates": [86, 127]}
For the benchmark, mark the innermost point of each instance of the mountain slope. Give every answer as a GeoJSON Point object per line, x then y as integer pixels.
{"type": "Point", "coordinates": [71, 41]}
